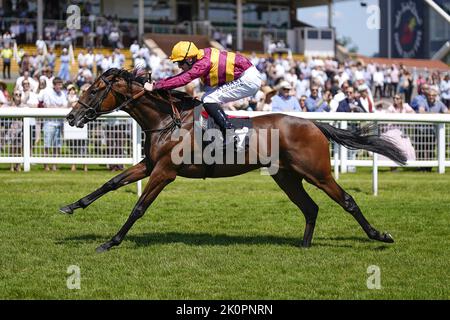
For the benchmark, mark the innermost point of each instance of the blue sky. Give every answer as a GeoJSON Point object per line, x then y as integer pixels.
{"type": "Point", "coordinates": [349, 19]}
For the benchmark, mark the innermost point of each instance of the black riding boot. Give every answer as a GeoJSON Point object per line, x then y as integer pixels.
{"type": "Point", "coordinates": [215, 111]}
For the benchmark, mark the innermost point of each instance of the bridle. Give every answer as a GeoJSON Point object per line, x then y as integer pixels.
{"type": "Point", "coordinates": [93, 110]}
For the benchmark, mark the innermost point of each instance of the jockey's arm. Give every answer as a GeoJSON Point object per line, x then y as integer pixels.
{"type": "Point", "coordinates": [199, 69]}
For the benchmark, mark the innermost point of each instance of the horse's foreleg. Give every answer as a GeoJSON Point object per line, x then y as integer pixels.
{"type": "Point", "coordinates": [133, 174]}
{"type": "Point", "coordinates": [159, 178]}
{"type": "Point", "coordinates": [291, 183]}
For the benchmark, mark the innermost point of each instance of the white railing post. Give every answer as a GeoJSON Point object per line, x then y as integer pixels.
{"type": "Point", "coordinates": [441, 148]}
{"type": "Point", "coordinates": [375, 172]}
{"type": "Point", "coordinates": [343, 151]}
{"type": "Point", "coordinates": [336, 160]}
{"type": "Point", "coordinates": [137, 151]}
{"type": "Point", "coordinates": [26, 144]}
{"type": "Point", "coordinates": [139, 156]}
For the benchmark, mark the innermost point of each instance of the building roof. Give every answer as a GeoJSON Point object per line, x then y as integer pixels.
{"type": "Point", "coordinates": [409, 63]}
{"type": "Point", "coordinates": [314, 3]}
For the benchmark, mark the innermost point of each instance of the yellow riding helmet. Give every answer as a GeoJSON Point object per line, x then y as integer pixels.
{"type": "Point", "coordinates": [183, 50]}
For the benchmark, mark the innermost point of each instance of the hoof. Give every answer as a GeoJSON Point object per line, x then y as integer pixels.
{"type": "Point", "coordinates": [66, 210]}
{"type": "Point", "coordinates": [382, 237]}
{"type": "Point", "coordinates": [106, 246]}
{"type": "Point", "coordinates": [387, 237]}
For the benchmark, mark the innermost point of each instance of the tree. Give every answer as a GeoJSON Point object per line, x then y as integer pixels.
{"type": "Point", "coordinates": [347, 42]}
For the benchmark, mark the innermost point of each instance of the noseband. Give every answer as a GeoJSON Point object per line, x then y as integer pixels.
{"type": "Point", "coordinates": [93, 112]}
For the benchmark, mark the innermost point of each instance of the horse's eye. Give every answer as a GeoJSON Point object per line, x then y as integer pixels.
{"type": "Point", "coordinates": [93, 92]}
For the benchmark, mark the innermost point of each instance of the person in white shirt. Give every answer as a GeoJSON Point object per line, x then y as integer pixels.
{"type": "Point", "coordinates": [106, 63]}
{"type": "Point", "coordinates": [291, 77]}
{"type": "Point", "coordinates": [279, 70]}
{"type": "Point", "coordinates": [3, 100]}
{"type": "Point", "coordinates": [81, 59]}
{"type": "Point", "coordinates": [25, 76]}
{"type": "Point", "coordinates": [118, 59]}
{"type": "Point", "coordinates": [365, 99]}
{"type": "Point", "coordinates": [7, 38]}
{"type": "Point", "coordinates": [155, 63]}
{"type": "Point", "coordinates": [371, 68]}
{"type": "Point", "coordinates": [43, 86]}
{"type": "Point", "coordinates": [395, 79]}
{"type": "Point", "coordinates": [318, 74]}
{"type": "Point", "coordinates": [40, 44]}
{"type": "Point", "coordinates": [28, 98]}
{"type": "Point", "coordinates": [134, 49]}
{"type": "Point", "coordinates": [89, 59]}
{"type": "Point", "coordinates": [378, 81]}
{"type": "Point", "coordinates": [254, 59]}
{"type": "Point", "coordinates": [340, 96]}
{"type": "Point", "coordinates": [54, 98]}
{"type": "Point", "coordinates": [13, 135]}
{"type": "Point", "coordinates": [98, 62]}
{"type": "Point", "coordinates": [99, 31]}
{"type": "Point", "coordinates": [114, 37]}
{"type": "Point", "coordinates": [445, 90]}
{"type": "Point", "coordinates": [387, 92]}
{"type": "Point", "coordinates": [84, 76]}
{"type": "Point", "coordinates": [145, 53]}
{"type": "Point", "coordinates": [342, 76]}
{"type": "Point", "coordinates": [302, 87]}
{"type": "Point", "coordinates": [29, 32]}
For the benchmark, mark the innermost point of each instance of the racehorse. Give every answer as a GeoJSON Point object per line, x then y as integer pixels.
{"type": "Point", "coordinates": [303, 150]}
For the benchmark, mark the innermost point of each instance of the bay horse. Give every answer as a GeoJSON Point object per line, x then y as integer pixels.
{"type": "Point", "coordinates": [303, 150]}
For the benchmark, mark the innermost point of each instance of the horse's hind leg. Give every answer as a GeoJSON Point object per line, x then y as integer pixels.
{"type": "Point", "coordinates": [291, 183]}
{"type": "Point", "coordinates": [330, 186]}
{"type": "Point", "coordinates": [133, 174]}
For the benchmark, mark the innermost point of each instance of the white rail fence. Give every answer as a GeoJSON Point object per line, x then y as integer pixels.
{"type": "Point", "coordinates": [117, 139]}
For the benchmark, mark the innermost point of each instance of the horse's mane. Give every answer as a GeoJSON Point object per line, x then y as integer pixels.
{"type": "Point", "coordinates": [135, 75]}
{"type": "Point", "coordinates": [181, 99]}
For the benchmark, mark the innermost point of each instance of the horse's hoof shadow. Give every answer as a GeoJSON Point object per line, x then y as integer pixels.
{"type": "Point", "coordinates": [101, 249]}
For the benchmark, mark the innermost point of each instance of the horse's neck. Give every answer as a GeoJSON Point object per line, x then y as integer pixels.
{"type": "Point", "coordinates": [150, 114]}
{"type": "Point", "coordinates": [147, 118]}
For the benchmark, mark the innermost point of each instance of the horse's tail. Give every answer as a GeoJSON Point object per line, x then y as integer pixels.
{"type": "Point", "coordinates": [364, 138]}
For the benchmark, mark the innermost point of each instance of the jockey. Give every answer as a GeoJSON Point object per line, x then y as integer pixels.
{"type": "Point", "coordinates": [228, 77]}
